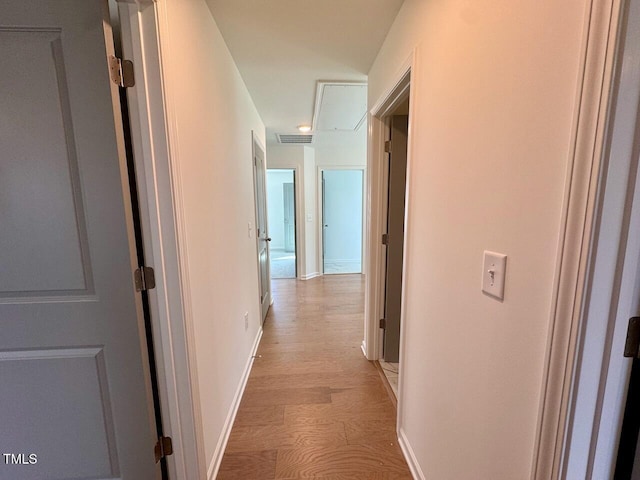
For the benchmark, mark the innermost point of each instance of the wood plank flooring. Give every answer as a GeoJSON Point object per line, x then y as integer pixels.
{"type": "Point", "coordinates": [314, 407]}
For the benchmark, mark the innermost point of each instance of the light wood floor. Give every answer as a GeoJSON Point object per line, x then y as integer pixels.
{"type": "Point", "coordinates": [314, 407]}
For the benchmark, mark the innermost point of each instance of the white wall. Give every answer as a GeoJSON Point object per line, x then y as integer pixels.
{"type": "Point", "coordinates": [275, 203]}
{"type": "Point", "coordinates": [354, 153]}
{"type": "Point", "coordinates": [312, 214]}
{"type": "Point", "coordinates": [213, 116]}
{"type": "Point", "coordinates": [494, 92]}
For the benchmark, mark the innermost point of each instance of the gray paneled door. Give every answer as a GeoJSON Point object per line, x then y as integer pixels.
{"type": "Point", "coordinates": [75, 400]}
{"type": "Point", "coordinates": [395, 231]}
{"type": "Point", "coordinates": [262, 233]}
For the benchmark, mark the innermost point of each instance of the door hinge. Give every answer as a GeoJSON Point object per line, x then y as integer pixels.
{"type": "Point", "coordinates": [145, 279]}
{"type": "Point", "coordinates": [163, 447]}
{"type": "Point", "coordinates": [385, 239]}
{"type": "Point", "coordinates": [383, 323]}
{"type": "Point", "coordinates": [387, 146]}
{"type": "Point", "coordinates": [121, 72]}
{"type": "Point", "coordinates": [632, 344]}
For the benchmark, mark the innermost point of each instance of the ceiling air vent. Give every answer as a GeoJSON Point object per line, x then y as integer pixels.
{"type": "Point", "coordinates": [294, 139]}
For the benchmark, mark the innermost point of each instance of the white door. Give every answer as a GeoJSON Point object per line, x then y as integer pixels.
{"type": "Point", "coordinates": [342, 204]}
{"type": "Point", "coordinates": [75, 395]}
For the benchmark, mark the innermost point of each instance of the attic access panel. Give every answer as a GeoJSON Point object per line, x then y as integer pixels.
{"type": "Point", "coordinates": [340, 106]}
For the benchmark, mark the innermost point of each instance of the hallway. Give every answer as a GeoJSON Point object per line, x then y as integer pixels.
{"type": "Point", "coordinates": [314, 407]}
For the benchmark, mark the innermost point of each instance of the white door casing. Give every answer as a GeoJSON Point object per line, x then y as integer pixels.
{"type": "Point", "coordinates": [76, 390]}
{"type": "Point", "coordinates": [145, 36]}
{"type": "Point", "coordinates": [612, 292]}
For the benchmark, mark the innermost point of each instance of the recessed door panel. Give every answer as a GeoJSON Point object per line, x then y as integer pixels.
{"type": "Point", "coordinates": [62, 391]}
{"type": "Point", "coordinates": [43, 242]}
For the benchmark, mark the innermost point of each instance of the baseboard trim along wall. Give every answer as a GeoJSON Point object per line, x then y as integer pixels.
{"type": "Point", "coordinates": [310, 276]}
{"type": "Point", "coordinates": [363, 347]}
{"type": "Point", "coordinates": [214, 466]}
{"type": "Point", "coordinates": [407, 451]}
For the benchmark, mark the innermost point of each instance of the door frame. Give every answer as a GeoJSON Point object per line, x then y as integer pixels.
{"type": "Point", "coordinates": [577, 246]}
{"type": "Point", "coordinates": [320, 213]}
{"type": "Point", "coordinates": [377, 190]}
{"type": "Point", "coordinates": [601, 374]}
{"type": "Point", "coordinates": [297, 211]}
{"type": "Point", "coordinates": [300, 213]}
{"type": "Point", "coordinates": [144, 32]}
{"type": "Point", "coordinates": [377, 186]}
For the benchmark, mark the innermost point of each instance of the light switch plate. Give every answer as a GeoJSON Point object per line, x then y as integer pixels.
{"type": "Point", "coordinates": [494, 269]}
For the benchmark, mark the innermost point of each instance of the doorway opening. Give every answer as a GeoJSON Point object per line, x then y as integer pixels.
{"type": "Point", "coordinates": [389, 166]}
{"type": "Point", "coordinates": [342, 200]}
{"type": "Point", "coordinates": [281, 207]}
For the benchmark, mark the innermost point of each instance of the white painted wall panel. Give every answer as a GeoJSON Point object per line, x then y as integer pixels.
{"type": "Point", "coordinates": [214, 117]}
{"type": "Point", "coordinates": [495, 93]}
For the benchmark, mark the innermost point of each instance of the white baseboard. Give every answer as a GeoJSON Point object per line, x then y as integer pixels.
{"type": "Point", "coordinates": [218, 453]}
{"type": "Point", "coordinates": [310, 276]}
{"type": "Point", "coordinates": [409, 456]}
{"type": "Point", "coordinates": [363, 347]}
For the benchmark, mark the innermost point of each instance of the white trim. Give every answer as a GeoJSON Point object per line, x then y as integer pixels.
{"type": "Point", "coordinates": [309, 276]}
{"type": "Point", "coordinates": [576, 234]}
{"type": "Point", "coordinates": [144, 36]}
{"type": "Point", "coordinates": [374, 301]}
{"type": "Point", "coordinates": [374, 291]}
{"type": "Point", "coordinates": [602, 373]}
{"type": "Point", "coordinates": [409, 456]}
{"type": "Point", "coordinates": [218, 453]}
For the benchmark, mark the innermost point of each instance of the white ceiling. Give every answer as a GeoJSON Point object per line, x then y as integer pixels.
{"type": "Point", "coordinates": [284, 47]}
